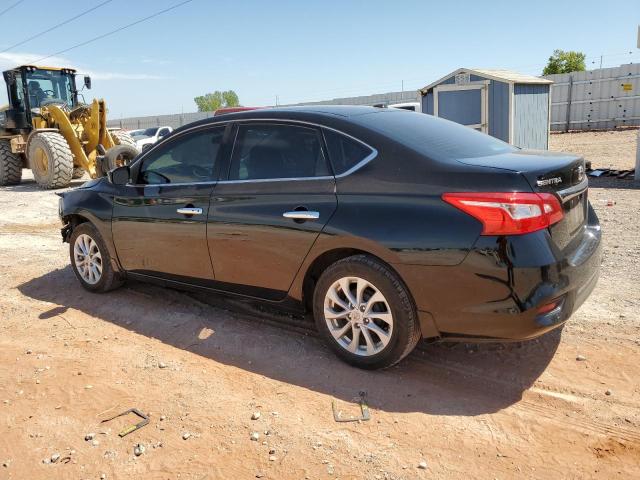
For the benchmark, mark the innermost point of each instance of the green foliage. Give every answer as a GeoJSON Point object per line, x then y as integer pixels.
{"type": "Point", "coordinates": [230, 98]}
{"type": "Point", "coordinates": [213, 101]}
{"type": "Point", "coordinates": [565, 62]}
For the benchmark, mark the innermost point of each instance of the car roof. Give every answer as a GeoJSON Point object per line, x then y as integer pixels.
{"type": "Point", "coordinates": [310, 113]}
{"type": "Point", "coordinates": [330, 110]}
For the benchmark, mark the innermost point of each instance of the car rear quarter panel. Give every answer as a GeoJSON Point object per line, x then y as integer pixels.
{"type": "Point", "coordinates": [395, 201]}
{"type": "Point", "coordinates": [392, 208]}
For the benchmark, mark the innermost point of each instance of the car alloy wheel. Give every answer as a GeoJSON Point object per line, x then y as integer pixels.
{"type": "Point", "coordinates": [358, 316]}
{"type": "Point", "coordinates": [87, 259]}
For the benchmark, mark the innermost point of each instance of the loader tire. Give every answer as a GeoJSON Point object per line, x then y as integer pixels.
{"type": "Point", "coordinates": [119, 156]}
{"type": "Point", "coordinates": [123, 138]}
{"type": "Point", "coordinates": [50, 159]}
{"type": "Point", "coordinates": [10, 165]}
{"type": "Point", "coordinates": [78, 172]}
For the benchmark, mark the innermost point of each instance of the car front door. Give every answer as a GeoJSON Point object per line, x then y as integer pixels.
{"type": "Point", "coordinates": [266, 216]}
{"type": "Point", "coordinates": [160, 221]}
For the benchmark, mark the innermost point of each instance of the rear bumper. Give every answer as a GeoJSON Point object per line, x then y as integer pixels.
{"type": "Point", "coordinates": [497, 291]}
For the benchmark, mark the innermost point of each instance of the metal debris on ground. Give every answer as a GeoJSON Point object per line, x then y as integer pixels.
{"type": "Point", "coordinates": [364, 411]}
{"type": "Point", "coordinates": [609, 172]}
{"type": "Point", "coordinates": [131, 428]}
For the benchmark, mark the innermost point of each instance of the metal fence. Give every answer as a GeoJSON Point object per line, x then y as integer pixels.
{"type": "Point", "coordinates": [173, 121]}
{"type": "Point", "coordinates": [378, 99]}
{"type": "Point", "coordinates": [597, 99]}
{"type": "Point", "coordinates": [177, 120]}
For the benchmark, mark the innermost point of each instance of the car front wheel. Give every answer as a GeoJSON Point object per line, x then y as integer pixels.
{"type": "Point", "coordinates": [364, 312]}
{"type": "Point", "coordinates": [90, 260]}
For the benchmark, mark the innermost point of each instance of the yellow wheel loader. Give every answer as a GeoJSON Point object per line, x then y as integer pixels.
{"type": "Point", "coordinates": [46, 128]}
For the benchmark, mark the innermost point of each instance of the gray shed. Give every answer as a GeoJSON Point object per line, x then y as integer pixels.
{"type": "Point", "coordinates": [507, 105]}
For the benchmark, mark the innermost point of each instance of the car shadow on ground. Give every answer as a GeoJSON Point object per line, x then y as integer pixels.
{"type": "Point", "coordinates": [439, 379]}
{"type": "Point", "coordinates": [613, 182]}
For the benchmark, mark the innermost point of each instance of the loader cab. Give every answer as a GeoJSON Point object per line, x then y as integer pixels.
{"type": "Point", "coordinates": [30, 88]}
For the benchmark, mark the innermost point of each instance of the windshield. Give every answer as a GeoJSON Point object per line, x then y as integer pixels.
{"type": "Point", "coordinates": [47, 86]}
{"type": "Point", "coordinates": [140, 134]}
{"type": "Point", "coordinates": [435, 138]}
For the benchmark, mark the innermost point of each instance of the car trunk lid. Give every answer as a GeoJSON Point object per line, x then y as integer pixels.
{"type": "Point", "coordinates": [548, 172]}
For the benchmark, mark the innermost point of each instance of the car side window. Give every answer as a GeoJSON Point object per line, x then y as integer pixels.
{"type": "Point", "coordinates": [344, 152]}
{"type": "Point", "coordinates": [189, 158]}
{"type": "Point", "coordinates": [267, 151]}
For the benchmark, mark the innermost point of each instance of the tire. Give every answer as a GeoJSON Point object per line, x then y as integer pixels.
{"type": "Point", "coordinates": [91, 240]}
{"type": "Point", "coordinates": [50, 160]}
{"type": "Point", "coordinates": [78, 172]}
{"type": "Point", "coordinates": [123, 138]}
{"type": "Point", "coordinates": [119, 156]}
{"type": "Point", "coordinates": [10, 165]}
{"type": "Point", "coordinates": [385, 349]}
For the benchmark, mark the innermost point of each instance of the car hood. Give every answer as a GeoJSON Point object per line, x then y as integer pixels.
{"type": "Point", "coordinates": [145, 141]}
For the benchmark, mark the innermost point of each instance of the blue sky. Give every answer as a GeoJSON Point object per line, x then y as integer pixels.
{"type": "Point", "coordinates": [305, 50]}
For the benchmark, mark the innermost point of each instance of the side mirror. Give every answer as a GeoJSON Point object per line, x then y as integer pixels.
{"type": "Point", "coordinates": [87, 82]}
{"type": "Point", "coordinates": [10, 78]}
{"type": "Point", "coordinates": [120, 175]}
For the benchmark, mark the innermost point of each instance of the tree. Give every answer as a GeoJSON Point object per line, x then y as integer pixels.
{"type": "Point", "coordinates": [213, 101]}
{"type": "Point", "coordinates": [230, 98]}
{"type": "Point", "coordinates": [565, 62]}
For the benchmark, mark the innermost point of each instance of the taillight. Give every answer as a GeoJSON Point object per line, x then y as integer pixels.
{"type": "Point", "coordinates": [509, 213]}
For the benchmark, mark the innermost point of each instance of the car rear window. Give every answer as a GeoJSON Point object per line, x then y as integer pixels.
{"type": "Point", "coordinates": [435, 138]}
{"type": "Point", "coordinates": [344, 152]}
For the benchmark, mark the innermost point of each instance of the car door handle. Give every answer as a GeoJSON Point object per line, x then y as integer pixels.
{"type": "Point", "coordinates": [302, 215]}
{"type": "Point", "coordinates": [190, 211]}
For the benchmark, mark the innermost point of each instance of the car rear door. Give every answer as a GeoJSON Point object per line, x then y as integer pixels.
{"type": "Point", "coordinates": [160, 221]}
{"type": "Point", "coordinates": [265, 217]}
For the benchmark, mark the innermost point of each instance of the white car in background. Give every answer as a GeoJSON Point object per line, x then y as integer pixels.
{"type": "Point", "coordinates": [411, 106]}
{"type": "Point", "coordinates": [146, 137]}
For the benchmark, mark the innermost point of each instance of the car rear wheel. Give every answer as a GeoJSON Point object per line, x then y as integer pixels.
{"type": "Point", "coordinates": [91, 261]}
{"type": "Point", "coordinates": [364, 312]}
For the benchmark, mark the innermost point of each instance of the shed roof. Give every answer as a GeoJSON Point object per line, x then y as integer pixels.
{"type": "Point", "coordinates": [507, 76]}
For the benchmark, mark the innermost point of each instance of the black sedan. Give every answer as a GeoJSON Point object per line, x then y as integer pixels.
{"type": "Point", "coordinates": [388, 225]}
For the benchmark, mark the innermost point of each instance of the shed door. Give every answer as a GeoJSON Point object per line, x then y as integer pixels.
{"type": "Point", "coordinates": [464, 104]}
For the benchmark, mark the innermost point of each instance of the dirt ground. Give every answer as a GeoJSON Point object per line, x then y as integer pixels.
{"type": "Point", "coordinates": [605, 149]}
{"type": "Point", "coordinates": [202, 366]}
